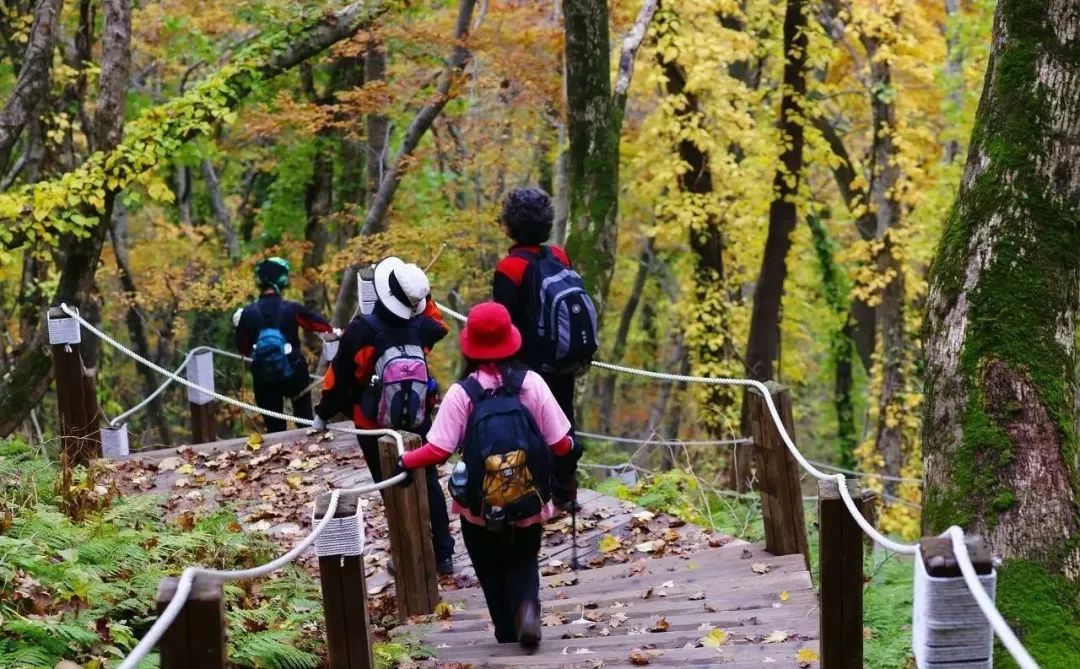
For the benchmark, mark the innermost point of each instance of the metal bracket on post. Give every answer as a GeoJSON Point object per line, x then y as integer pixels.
{"type": "Point", "coordinates": [948, 628]}
{"type": "Point", "coordinates": [114, 441]}
{"type": "Point", "coordinates": [200, 371]}
{"type": "Point", "coordinates": [63, 329]}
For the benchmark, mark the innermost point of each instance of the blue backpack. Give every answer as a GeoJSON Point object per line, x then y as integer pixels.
{"type": "Point", "coordinates": [507, 463]}
{"type": "Point", "coordinates": [269, 359]}
{"type": "Point", "coordinates": [561, 337]}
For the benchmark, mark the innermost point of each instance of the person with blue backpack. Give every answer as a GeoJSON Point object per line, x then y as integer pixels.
{"type": "Point", "coordinates": [268, 330]}
{"type": "Point", "coordinates": [512, 435]}
{"type": "Point", "coordinates": [380, 378]}
{"type": "Point", "coordinates": [549, 305]}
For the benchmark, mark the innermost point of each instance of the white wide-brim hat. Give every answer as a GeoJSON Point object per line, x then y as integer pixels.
{"type": "Point", "coordinates": [401, 287]}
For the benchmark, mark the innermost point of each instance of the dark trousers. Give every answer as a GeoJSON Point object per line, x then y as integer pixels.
{"type": "Point", "coordinates": [272, 396]}
{"type": "Point", "coordinates": [441, 539]}
{"type": "Point", "coordinates": [562, 387]}
{"type": "Point", "coordinates": [508, 567]}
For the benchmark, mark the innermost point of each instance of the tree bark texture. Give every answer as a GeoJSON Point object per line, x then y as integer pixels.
{"type": "Point", "coordinates": [592, 166]}
{"type": "Point", "coordinates": [999, 438]}
{"type": "Point", "coordinates": [33, 81]}
{"type": "Point", "coordinates": [220, 210]}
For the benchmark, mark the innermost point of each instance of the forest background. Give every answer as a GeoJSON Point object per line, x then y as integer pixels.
{"type": "Point", "coordinates": [297, 167]}
{"type": "Point", "coordinates": [776, 190]}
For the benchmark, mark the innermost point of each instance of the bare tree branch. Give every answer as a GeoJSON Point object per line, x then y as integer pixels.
{"type": "Point", "coordinates": [33, 81]}
{"type": "Point", "coordinates": [631, 43]}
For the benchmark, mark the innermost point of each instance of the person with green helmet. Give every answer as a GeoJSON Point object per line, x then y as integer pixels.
{"type": "Point", "coordinates": [268, 330]}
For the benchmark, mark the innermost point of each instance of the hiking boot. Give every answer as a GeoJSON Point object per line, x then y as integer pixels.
{"type": "Point", "coordinates": [445, 567]}
{"type": "Point", "coordinates": [528, 625]}
{"type": "Point", "coordinates": [567, 505]}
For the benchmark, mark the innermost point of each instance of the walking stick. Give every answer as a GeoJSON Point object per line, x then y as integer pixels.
{"type": "Point", "coordinates": [573, 525]}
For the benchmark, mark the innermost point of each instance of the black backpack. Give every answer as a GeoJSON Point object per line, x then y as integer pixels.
{"type": "Point", "coordinates": [508, 464]}
{"type": "Point", "coordinates": [560, 318]}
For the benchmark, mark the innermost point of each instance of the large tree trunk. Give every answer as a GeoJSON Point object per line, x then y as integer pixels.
{"type": "Point", "coordinates": [999, 423]}
{"type": "Point", "coordinates": [593, 157]}
{"type": "Point", "coordinates": [763, 346]}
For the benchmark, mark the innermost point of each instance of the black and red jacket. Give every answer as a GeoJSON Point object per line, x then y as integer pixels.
{"type": "Point", "coordinates": [270, 310]}
{"type": "Point", "coordinates": [350, 372]}
{"type": "Point", "coordinates": [515, 288]}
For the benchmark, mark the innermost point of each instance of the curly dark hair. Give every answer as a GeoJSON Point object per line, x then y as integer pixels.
{"type": "Point", "coordinates": [528, 215]}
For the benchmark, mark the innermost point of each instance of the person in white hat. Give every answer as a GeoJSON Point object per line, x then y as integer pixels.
{"type": "Point", "coordinates": [379, 378]}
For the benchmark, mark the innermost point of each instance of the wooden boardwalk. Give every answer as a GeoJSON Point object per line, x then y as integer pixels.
{"type": "Point", "coordinates": [664, 594]}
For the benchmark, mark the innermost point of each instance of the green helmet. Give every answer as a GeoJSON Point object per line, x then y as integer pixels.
{"type": "Point", "coordinates": [273, 273]}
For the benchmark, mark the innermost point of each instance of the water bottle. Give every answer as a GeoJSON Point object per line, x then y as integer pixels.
{"type": "Point", "coordinates": [459, 482]}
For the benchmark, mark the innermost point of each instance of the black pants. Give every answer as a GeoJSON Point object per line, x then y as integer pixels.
{"type": "Point", "coordinates": [272, 396]}
{"type": "Point", "coordinates": [508, 567]}
{"type": "Point", "coordinates": [441, 539]}
{"type": "Point", "coordinates": [562, 387]}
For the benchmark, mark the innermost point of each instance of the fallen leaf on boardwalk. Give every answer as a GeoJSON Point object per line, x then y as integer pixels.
{"type": "Point", "coordinates": [169, 464]}
{"type": "Point", "coordinates": [705, 627]}
{"type": "Point", "coordinates": [444, 611]}
{"type": "Point", "coordinates": [645, 516]}
{"type": "Point", "coordinates": [254, 441]}
{"type": "Point", "coordinates": [778, 636]}
{"type": "Point", "coordinates": [185, 469]}
{"type": "Point", "coordinates": [660, 625]}
{"type": "Point", "coordinates": [591, 616]}
{"type": "Point", "coordinates": [760, 568]}
{"type": "Point", "coordinates": [697, 596]}
{"type": "Point", "coordinates": [609, 543]}
{"type": "Point", "coordinates": [784, 595]}
{"type": "Point", "coordinates": [639, 659]}
{"type": "Point", "coordinates": [552, 619]}
{"type": "Point", "coordinates": [647, 594]}
{"type": "Point", "coordinates": [295, 481]}
{"type": "Point", "coordinates": [649, 546]}
{"type": "Point", "coordinates": [804, 656]}
{"type": "Point", "coordinates": [604, 632]}
{"type": "Point", "coordinates": [714, 639]}
{"type": "Point", "coordinates": [667, 584]}
{"type": "Point", "coordinates": [672, 535]}
{"type": "Point", "coordinates": [617, 618]}
{"type": "Point", "coordinates": [579, 651]}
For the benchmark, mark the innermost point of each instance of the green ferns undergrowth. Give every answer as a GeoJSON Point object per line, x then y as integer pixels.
{"type": "Point", "coordinates": [84, 592]}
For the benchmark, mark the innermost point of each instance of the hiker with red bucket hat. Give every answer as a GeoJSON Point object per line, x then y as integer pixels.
{"type": "Point", "coordinates": [511, 434]}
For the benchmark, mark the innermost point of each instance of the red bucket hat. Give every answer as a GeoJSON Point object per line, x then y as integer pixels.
{"type": "Point", "coordinates": [489, 334]}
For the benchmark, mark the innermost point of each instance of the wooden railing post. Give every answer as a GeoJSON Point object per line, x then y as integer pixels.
{"type": "Point", "coordinates": [948, 628]}
{"type": "Point", "coordinates": [778, 476]}
{"type": "Point", "coordinates": [76, 397]}
{"type": "Point", "coordinates": [200, 370]}
{"type": "Point", "coordinates": [344, 591]}
{"type": "Point", "coordinates": [196, 640]}
{"type": "Point", "coordinates": [410, 535]}
{"type": "Point", "coordinates": [840, 566]}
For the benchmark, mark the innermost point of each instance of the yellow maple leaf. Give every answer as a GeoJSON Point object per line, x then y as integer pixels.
{"type": "Point", "coordinates": [254, 441]}
{"type": "Point", "coordinates": [609, 543]}
{"type": "Point", "coordinates": [715, 638]}
{"type": "Point", "coordinates": [806, 656]}
{"type": "Point", "coordinates": [444, 611]}
{"type": "Point", "coordinates": [185, 469]}
{"type": "Point", "coordinates": [784, 595]}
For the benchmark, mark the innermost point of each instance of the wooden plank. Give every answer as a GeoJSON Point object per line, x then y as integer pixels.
{"type": "Point", "coordinates": [203, 422]}
{"type": "Point", "coordinates": [841, 572]}
{"type": "Point", "coordinates": [778, 475]}
{"type": "Point", "coordinates": [337, 644]}
{"type": "Point", "coordinates": [357, 620]}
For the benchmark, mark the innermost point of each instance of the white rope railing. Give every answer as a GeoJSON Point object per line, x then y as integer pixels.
{"type": "Point", "coordinates": [1009, 640]}
{"type": "Point", "coordinates": [169, 380]}
{"type": "Point", "coordinates": [745, 441]}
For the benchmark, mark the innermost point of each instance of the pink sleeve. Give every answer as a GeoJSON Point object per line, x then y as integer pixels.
{"type": "Point", "coordinates": [448, 428]}
{"type": "Point", "coordinates": [541, 403]}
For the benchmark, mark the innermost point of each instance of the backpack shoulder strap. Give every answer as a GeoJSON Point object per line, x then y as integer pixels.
{"type": "Point", "coordinates": [473, 389]}
{"type": "Point", "coordinates": [513, 379]}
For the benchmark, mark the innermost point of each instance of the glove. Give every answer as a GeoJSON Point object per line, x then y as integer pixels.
{"type": "Point", "coordinates": [399, 468]}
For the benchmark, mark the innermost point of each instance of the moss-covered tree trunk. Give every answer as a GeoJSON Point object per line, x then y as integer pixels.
{"type": "Point", "coordinates": [999, 432]}
{"type": "Point", "coordinates": [593, 156]}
